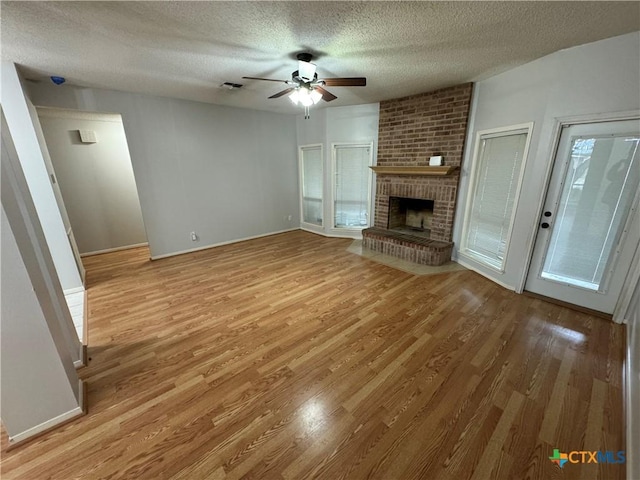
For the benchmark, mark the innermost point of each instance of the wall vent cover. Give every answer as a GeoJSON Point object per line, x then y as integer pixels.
{"type": "Point", "coordinates": [88, 136]}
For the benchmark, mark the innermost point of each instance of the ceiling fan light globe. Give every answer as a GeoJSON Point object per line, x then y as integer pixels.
{"type": "Point", "coordinates": [316, 96]}
{"type": "Point", "coordinates": [295, 97]}
{"type": "Point", "coordinates": [306, 100]}
{"type": "Point", "coordinates": [304, 97]}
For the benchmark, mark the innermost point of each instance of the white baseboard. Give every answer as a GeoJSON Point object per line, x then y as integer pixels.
{"type": "Point", "coordinates": [81, 362]}
{"type": "Point", "coordinates": [82, 399]}
{"type": "Point", "coordinates": [333, 233]}
{"type": "Point", "coordinates": [229, 242]}
{"type": "Point", "coordinates": [480, 272]}
{"type": "Point", "coordinates": [354, 234]}
{"type": "Point", "coordinates": [71, 291]}
{"type": "Point", "coordinates": [116, 249]}
{"type": "Point", "coordinates": [85, 320]}
{"type": "Point", "coordinates": [312, 229]}
{"type": "Point", "coordinates": [49, 424]}
{"type": "Point", "coordinates": [54, 422]}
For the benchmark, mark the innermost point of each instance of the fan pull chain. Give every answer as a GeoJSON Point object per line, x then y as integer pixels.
{"type": "Point", "coordinates": [306, 113]}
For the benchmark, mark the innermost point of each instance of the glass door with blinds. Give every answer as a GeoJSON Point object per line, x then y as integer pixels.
{"type": "Point", "coordinates": [351, 185]}
{"type": "Point", "coordinates": [496, 177]}
{"type": "Point", "coordinates": [590, 226]}
{"type": "Point", "coordinates": [311, 185]}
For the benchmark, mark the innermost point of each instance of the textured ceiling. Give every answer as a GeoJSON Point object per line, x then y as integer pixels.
{"type": "Point", "coordinates": [187, 49]}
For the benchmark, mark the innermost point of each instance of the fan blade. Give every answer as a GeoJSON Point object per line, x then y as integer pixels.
{"type": "Point", "coordinates": [266, 79]}
{"type": "Point", "coordinates": [326, 96]}
{"type": "Point", "coordinates": [345, 82]}
{"type": "Point", "coordinates": [283, 92]}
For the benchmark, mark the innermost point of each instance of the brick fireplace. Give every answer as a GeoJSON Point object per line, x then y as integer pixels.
{"type": "Point", "coordinates": [411, 130]}
{"type": "Point", "coordinates": [411, 215]}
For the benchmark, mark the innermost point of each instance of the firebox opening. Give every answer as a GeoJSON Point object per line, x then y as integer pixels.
{"type": "Point", "coordinates": [410, 215]}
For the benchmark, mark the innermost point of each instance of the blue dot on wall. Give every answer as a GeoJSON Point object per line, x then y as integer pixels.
{"type": "Point", "coordinates": [58, 80]}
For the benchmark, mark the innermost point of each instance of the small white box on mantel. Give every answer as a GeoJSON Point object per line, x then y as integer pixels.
{"type": "Point", "coordinates": [435, 161]}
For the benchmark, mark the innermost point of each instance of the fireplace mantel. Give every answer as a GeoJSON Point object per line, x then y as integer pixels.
{"type": "Point", "coordinates": [408, 170]}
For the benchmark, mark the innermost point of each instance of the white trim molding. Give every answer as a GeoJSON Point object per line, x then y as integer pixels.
{"type": "Point", "coordinates": [631, 385]}
{"type": "Point", "coordinates": [71, 291]}
{"type": "Point", "coordinates": [301, 148]}
{"type": "Point", "coordinates": [115, 249]}
{"type": "Point", "coordinates": [622, 312]}
{"type": "Point", "coordinates": [336, 233]}
{"type": "Point", "coordinates": [463, 252]}
{"type": "Point", "coordinates": [462, 261]}
{"type": "Point", "coordinates": [38, 429]}
{"type": "Point", "coordinates": [54, 422]}
{"type": "Point", "coordinates": [54, 112]}
{"type": "Point", "coordinates": [220, 244]}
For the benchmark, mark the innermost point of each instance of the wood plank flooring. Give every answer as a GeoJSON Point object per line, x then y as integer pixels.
{"type": "Point", "coordinates": [288, 357]}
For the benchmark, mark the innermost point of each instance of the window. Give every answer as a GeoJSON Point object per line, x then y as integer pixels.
{"type": "Point", "coordinates": [598, 189]}
{"type": "Point", "coordinates": [496, 175]}
{"type": "Point", "coordinates": [352, 185]}
{"type": "Point", "coordinates": [311, 183]}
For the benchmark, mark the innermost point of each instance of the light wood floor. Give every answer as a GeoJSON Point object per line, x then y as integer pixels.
{"type": "Point", "coordinates": [288, 357]}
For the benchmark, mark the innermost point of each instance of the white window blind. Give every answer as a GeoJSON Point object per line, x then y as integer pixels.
{"type": "Point", "coordinates": [598, 192]}
{"type": "Point", "coordinates": [312, 182]}
{"type": "Point", "coordinates": [352, 180]}
{"type": "Point", "coordinates": [492, 197]}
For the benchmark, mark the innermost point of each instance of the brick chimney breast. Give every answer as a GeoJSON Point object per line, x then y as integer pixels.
{"type": "Point", "coordinates": [412, 129]}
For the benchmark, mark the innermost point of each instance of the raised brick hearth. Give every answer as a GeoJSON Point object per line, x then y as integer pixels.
{"type": "Point", "coordinates": [408, 247]}
{"type": "Point", "coordinates": [411, 130]}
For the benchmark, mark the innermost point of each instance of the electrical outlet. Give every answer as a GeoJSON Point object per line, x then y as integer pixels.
{"type": "Point", "coordinates": [194, 237]}
{"type": "Point", "coordinates": [289, 217]}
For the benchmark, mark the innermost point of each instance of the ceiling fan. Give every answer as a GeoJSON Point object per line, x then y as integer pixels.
{"type": "Point", "coordinates": [304, 87]}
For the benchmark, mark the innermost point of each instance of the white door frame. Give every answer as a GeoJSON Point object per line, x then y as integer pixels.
{"type": "Point", "coordinates": [559, 122]}
{"type": "Point", "coordinates": [492, 133]}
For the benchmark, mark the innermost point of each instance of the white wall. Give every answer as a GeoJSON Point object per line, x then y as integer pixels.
{"type": "Point", "coordinates": [39, 386]}
{"type": "Point", "coordinates": [351, 124]}
{"type": "Point", "coordinates": [34, 388]}
{"type": "Point", "coordinates": [96, 179]}
{"type": "Point", "coordinates": [25, 128]}
{"type": "Point", "coordinates": [596, 78]}
{"type": "Point", "coordinates": [225, 173]}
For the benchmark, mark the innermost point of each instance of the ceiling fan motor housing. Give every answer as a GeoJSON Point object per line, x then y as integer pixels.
{"type": "Point", "coordinates": [304, 86]}
{"type": "Point", "coordinates": [304, 57]}
{"type": "Point", "coordinates": [297, 78]}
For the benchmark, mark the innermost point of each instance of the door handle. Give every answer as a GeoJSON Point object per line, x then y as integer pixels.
{"type": "Point", "coordinates": [544, 225]}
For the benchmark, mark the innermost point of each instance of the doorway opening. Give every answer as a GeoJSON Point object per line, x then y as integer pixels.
{"type": "Point", "coordinates": [93, 172]}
